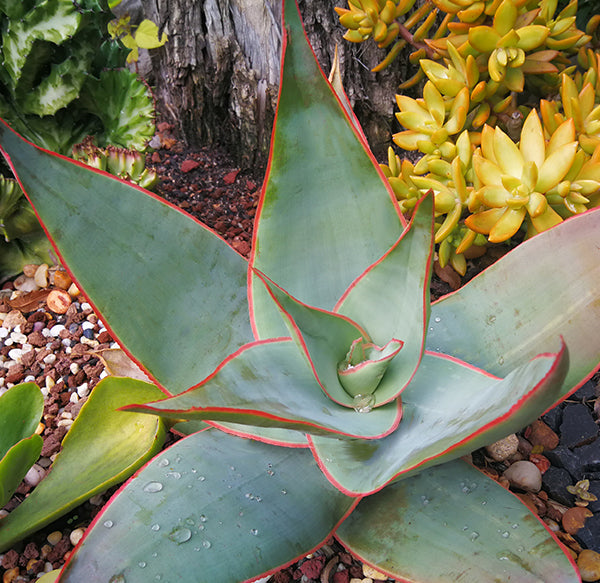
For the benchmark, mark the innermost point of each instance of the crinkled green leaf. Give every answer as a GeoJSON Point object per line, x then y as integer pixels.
{"type": "Point", "coordinates": [521, 304]}
{"type": "Point", "coordinates": [194, 294]}
{"type": "Point", "coordinates": [337, 214]}
{"type": "Point", "coordinates": [103, 447]}
{"type": "Point", "coordinates": [448, 410]}
{"type": "Point", "coordinates": [124, 105]}
{"type": "Point", "coordinates": [228, 509]}
{"type": "Point", "coordinates": [269, 384]}
{"type": "Point", "coordinates": [452, 523]}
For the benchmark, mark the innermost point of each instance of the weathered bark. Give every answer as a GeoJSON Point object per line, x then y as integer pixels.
{"type": "Point", "coordinates": [216, 80]}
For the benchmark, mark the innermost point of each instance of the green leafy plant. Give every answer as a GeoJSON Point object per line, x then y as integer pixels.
{"type": "Point", "coordinates": [485, 67]}
{"type": "Point", "coordinates": [357, 398]}
{"type": "Point", "coordinates": [21, 409]}
{"type": "Point", "coordinates": [62, 77]}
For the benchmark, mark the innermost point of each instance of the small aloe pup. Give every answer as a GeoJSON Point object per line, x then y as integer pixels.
{"type": "Point", "coordinates": [322, 392]}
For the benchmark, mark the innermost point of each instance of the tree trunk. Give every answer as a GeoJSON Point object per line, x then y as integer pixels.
{"type": "Point", "coordinates": [216, 80]}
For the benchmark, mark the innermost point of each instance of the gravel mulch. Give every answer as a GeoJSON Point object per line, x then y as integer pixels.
{"type": "Point", "coordinates": [54, 342]}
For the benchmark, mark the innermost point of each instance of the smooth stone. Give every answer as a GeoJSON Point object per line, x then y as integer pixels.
{"type": "Point", "coordinates": [578, 426]}
{"type": "Point", "coordinates": [524, 475]}
{"type": "Point", "coordinates": [34, 475]}
{"type": "Point", "coordinates": [588, 564]}
{"type": "Point", "coordinates": [555, 481]}
{"type": "Point", "coordinates": [538, 433]}
{"type": "Point", "coordinates": [76, 535]}
{"type": "Point", "coordinates": [54, 537]}
{"type": "Point", "coordinates": [13, 319]}
{"type": "Point", "coordinates": [504, 448]}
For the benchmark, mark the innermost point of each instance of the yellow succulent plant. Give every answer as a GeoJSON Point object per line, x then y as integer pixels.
{"type": "Point", "coordinates": [516, 180]}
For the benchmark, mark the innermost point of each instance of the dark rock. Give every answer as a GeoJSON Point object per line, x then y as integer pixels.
{"type": "Point", "coordinates": [553, 418]}
{"type": "Point", "coordinates": [586, 392]}
{"type": "Point", "coordinates": [589, 456]}
{"type": "Point", "coordinates": [594, 489]}
{"type": "Point", "coordinates": [577, 427]}
{"type": "Point", "coordinates": [555, 482]}
{"type": "Point", "coordinates": [563, 457]}
{"type": "Point", "coordinates": [589, 535]}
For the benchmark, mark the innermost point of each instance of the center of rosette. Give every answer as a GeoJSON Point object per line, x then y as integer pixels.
{"type": "Point", "coordinates": [363, 368]}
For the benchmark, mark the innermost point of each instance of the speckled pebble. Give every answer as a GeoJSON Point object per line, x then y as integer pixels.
{"type": "Point", "coordinates": [54, 537]}
{"type": "Point", "coordinates": [504, 448]}
{"type": "Point", "coordinates": [76, 536]}
{"type": "Point", "coordinates": [524, 475]}
{"type": "Point", "coordinates": [588, 563]}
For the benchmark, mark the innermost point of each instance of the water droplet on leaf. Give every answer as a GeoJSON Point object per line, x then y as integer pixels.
{"type": "Point", "coordinates": [474, 535]}
{"type": "Point", "coordinates": [155, 527]}
{"type": "Point", "coordinates": [206, 544]}
{"type": "Point", "coordinates": [142, 564]}
{"type": "Point", "coordinates": [363, 403]}
{"type": "Point", "coordinates": [174, 475]}
{"type": "Point", "coordinates": [152, 487]}
{"type": "Point", "coordinates": [108, 523]}
{"type": "Point", "coordinates": [180, 535]}
{"type": "Point", "coordinates": [254, 531]}
{"type": "Point", "coordinates": [164, 462]}
{"type": "Point", "coordinates": [203, 518]}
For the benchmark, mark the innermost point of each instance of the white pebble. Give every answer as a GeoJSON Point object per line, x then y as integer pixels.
{"type": "Point", "coordinates": [3, 332]}
{"type": "Point", "coordinates": [15, 354]}
{"type": "Point", "coordinates": [66, 415]}
{"type": "Point", "coordinates": [46, 333]}
{"type": "Point", "coordinates": [9, 342]}
{"type": "Point", "coordinates": [17, 329]}
{"type": "Point", "coordinates": [92, 343]}
{"type": "Point", "coordinates": [2, 381]}
{"type": "Point", "coordinates": [83, 390]}
{"type": "Point", "coordinates": [56, 330]}
{"type": "Point", "coordinates": [76, 536]}
{"type": "Point", "coordinates": [29, 379]}
{"type": "Point", "coordinates": [45, 391]}
{"type": "Point", "coordinates": [66, 422]}
{"type": "Point", "coordinates": [85, 306]}
{"type": "Point", "coordinates": [74, 368]}
{"type": "Point", "coordinates": [49, 359]}
{"type": "Point", "coordinates": [4, 513]}
{"type": "Point", "coordinates": [97, 500]}
{"type": "Point", "coordinates": [74, 399]}
{"type": "Point", "coordinates": [18, 337]}
{"type": "Point", "coordinates": [103, 374]}
{"type": "Point", "coordinates": [50, 382]}
{"type": "Point", "coordinates": [87, 325]}
{"type": "Point", "coordinates": [34, 476]}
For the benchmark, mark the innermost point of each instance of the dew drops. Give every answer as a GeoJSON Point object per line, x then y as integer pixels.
{"type": "Point", "coordinates": [424, 500]}
{"type": "Point", "coordinates": [206, 544]}
{"type": "Point", "coordinates": [189, 521]}
{"type": "Point", "coordinates": [174, 475]}
{"type": "Point", "coordinates": [437, 319]}
{"type": "Point", "coordinates": [178, 458]}
{"type": "Point", "coordinates": [203, 518]}
{"type": "Point", "coordinates": [254, 531]}
{"type": "Point", "coordinates": [232, 468]}
{"type": "Point", "coordinates": [155, 527]}
{"type": "Point", "coordinates": [270, 473]}
{"type": "Point", "coordinates": [505, 534]}
{"type": "Point", "coordinates": [180, 535]}
{"type": "Point", "coordinates": [201, 478]}
{"type": "Point", "coordinates": [363, 403]}
{"type": "Point", "coordinates": [515, 525]}
{"type": "Point", "coordinates": [474, 535]}
{"type": "Point", "coordinates": [152, 487]}
{"type": "Point", "coordinates": [108, 523]}
{"type": "Point", "coordinates": [142, 564]}
{"type": "Point", "coordinates": [491, 319]}
{"type": "Point", "coordinates": [483, 502]}
{"type": "Point", "coordinates": [163, 463]}
{"type": "Point", "coordinates": [501, 360]}
{"type": "Point", "coordinates": [284, 491]}
{"type": "Point", "coordinates": [465, 527]}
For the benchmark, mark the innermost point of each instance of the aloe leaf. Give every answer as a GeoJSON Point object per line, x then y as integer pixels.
{"type": "Point", "coordinates": [172, 288]}
{"type": "Point", "coordinates": [21, 408]}
{"type": "Point", "coordinates": [449, 409]}
{"type": "Point", "coordinates": [16, 463]}
{"type": "Point", "coordinates": [228, 508]}
{"type": "Point", "coordinates": [492, 324]}
{"type": "Point", "coordinates": [474, 529]}
{"type": "Point", "coordinates": [103, 447]}
{"type": "Point", "coordinates": [269, 384]}
{"type": "Point", "coordinates": [338, 215]}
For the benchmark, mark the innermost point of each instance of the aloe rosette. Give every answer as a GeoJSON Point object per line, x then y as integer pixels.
{"type": "Point", "coordinates": [356, 396]}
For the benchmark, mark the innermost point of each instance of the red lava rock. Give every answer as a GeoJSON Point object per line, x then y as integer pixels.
{"type": "Point", "coordinates": [230, 177]}
{"type": "Point", "coordinates": [341, 577]}
{"type": "Point", "coordinates": [538, 433]}
{"type": "Point", "coordinates": [189, 165]}
{"type": "Point", "coordinates": [242, 247]}
{"type": "Point", "coordinates": [541, 461]}
{"type": "Point", "coordinates": [10, 559]}
{"type": "Point", "coordinates": [312, 567]}
{"type": "Point", "coordinates": [51, 446]}
{"type": "Point", "coordinates": [250, 185]}
{"type": "Point", "coordinates": [574, 518]}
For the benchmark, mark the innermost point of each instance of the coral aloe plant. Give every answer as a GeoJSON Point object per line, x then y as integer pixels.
{"type": "Point", "coordinates": [355, 396]}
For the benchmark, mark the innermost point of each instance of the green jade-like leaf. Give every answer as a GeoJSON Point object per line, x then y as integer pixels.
{"type": "Point", "coordinates": [449, 409]}
{"type": "Point", "coordinates": [21, 408]}
{"type": "Point", "coordinates": [103, 447]}
{"type": "Point", "coordinates": [498, 325]}
{"type": "Point", "coordinates": [333, 188]}
{"type": "Point", "coordinates": [229, 509]}
{"type": "Point", "coordinates": [268, 383]}
{"type": "Point", "coordinates": [452, 523]}
{"type": "Point", "coordinates": [172, 288]}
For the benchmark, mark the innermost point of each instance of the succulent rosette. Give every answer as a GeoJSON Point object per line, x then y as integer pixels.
{"type": "Point", "coordinates": [354, 394]}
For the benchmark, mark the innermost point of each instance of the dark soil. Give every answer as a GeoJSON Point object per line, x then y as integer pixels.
{"type": "Point", "coordinates": [207, 184]}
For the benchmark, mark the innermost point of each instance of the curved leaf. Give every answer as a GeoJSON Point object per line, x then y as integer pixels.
{"type": "Point", "coordinates": [171, 288]}
{"type": "Point", "coordinates": [449, 409]}
{"type": "Point", "coordinates": [475, 529]}
{"type": "Point", "coordinates": [21, 408]}
{"type": "Point", "coordinates": [16, 463]}
{"type": "Point", "coordinates": [228, 508]}
{"type": "Point", "coordinates": [337, 215]}
{"type": "Point", "coordinates": [103, 447]}
{"type": "Point", "coordinates": [269, 384]}
{"type": "Point", "coordinates": [494, 324]}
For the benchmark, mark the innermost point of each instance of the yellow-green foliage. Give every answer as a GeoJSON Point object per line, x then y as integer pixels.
{"type": "Point", "coordinates": [496, 165]}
